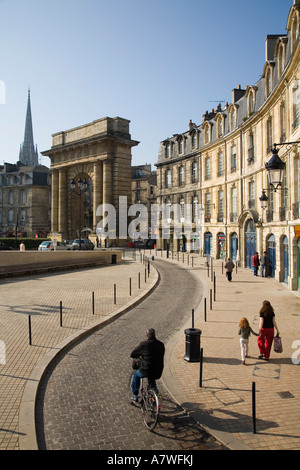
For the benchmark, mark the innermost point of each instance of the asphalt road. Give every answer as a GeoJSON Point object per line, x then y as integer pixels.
{"type": "Point", "coordinates": [82, 404]}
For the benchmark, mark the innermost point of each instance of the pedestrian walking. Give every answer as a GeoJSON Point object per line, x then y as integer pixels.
{"type": "Point", "coordinates": [244, 331]}
{"type": "Point", "coordinates": [255, 263]}
{"type": "Point", "coordinates": [263, 262]}
{"type": "Point", "coordinates": [266, 330]}
{"type": "Point", "coordinates": [229, 265]}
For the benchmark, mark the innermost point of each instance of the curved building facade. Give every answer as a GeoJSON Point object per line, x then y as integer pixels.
{"type": "Point", "coordinates": [218, 167]}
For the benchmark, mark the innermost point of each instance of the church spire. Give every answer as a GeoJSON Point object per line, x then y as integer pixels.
{"type": "Point", "coordinates": [28, 153]}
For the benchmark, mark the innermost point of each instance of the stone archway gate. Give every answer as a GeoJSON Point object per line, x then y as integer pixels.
{"type": "Point", "coordinates": [102, 151]}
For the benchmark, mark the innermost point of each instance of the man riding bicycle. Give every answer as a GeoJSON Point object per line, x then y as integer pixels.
{"type": "Point", "coordinates": [151, 353]}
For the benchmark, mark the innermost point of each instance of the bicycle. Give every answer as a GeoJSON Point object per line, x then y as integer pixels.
{"type": "Point", "coordinates": [147, 400]}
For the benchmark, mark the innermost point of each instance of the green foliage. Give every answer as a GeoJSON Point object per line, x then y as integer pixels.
{"type": "Point", "coordinates": [30, 243]}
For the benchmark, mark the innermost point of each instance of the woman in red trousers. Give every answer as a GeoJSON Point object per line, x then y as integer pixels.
{"type": "Point", "coordinates": [266, 330]}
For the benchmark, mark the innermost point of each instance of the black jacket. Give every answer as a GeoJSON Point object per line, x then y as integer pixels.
{"type": "Point", "coordinates": [152, 352]}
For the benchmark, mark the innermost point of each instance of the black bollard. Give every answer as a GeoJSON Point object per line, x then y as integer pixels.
{"type": "Point", "coordinates": [253, 408]}
{"type": "Point", "coordinates": [201, 366]}
{"type": "Point", "coordinates": [29, 328]}
{"type": "Point", "coordinates": [60, 313]}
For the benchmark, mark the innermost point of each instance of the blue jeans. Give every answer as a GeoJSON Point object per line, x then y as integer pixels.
{"type": "Point", "coordinates": [137, 380]}
{"type": "Point", "coordinates": [255, 269]}
{"type": "Point", "coordinates": [263, 270]}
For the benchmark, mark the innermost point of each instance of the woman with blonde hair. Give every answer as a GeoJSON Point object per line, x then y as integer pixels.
{"type": "Point", "coordinates": [244, 331]}
{"type": "Point", "coordinates": [266, 330]}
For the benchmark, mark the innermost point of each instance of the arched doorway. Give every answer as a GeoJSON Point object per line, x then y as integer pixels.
{"type": "Point", "coordinates": [207, 243]}
{"type": "Point", "coordinates": [250, 242]}
{"type": "Point", "coordinates": [234, 246]}
{"type": "Point", "coordinates": [221, 248]}
{"type": "Point", "coordinates": [81, 209]}
{"type": "Point", "coordinates": [271, 247]}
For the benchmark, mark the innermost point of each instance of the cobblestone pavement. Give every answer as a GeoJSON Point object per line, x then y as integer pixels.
{"type": "Point", "coordinates": [82, 402]}
{"type": "Point", "coordinates": [39, 296]}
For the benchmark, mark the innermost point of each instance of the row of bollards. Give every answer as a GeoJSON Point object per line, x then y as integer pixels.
{"type": "Point", "coordinates": [147, 274]}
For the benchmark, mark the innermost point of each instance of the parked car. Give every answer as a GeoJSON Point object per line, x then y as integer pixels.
{"type": "Point", "coordinates": [4, 246]}
{"type": "Point", "coordinates": [86, 244]}
{"type": "Point", "coordinates": [147, 244]}
{"type": "Point", "coordinates": [46, 246]}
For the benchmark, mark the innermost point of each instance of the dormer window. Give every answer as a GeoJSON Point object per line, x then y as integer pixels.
{"type": "Point", "coordinates": [207, 133]}
{"type": "Point", "coordinates": [268, 82]}
{"type": "Point", "coordinates": [220, 125]}
{"type": "Point", "coordinates": [194, 140]}
{"type": "Point", "coordinates": [168, 150]}
{"type": "Point", "coordinates": [181, 145]}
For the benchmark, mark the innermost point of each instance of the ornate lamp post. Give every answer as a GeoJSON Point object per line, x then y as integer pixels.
{"type": "Point", "coordinates": [81, 189]}
{"type": "Point", "coordinates": [275, 168]}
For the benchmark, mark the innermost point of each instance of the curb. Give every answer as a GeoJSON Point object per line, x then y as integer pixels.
{"type": "Point", "coordinates": [27, 426]}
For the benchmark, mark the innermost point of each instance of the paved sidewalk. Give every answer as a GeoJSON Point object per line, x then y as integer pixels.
{"type": "Point", "coordinates": [22, 364]}
{"type": "Point", "coordinates": [223, 405]}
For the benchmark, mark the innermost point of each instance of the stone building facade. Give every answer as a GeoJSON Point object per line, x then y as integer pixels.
{"type": "Point", "coordinates": [25, 189]}
{"type": "Point", "coordinates": [100, 154]}
{"type": "Point", "coordinates": [218, 167]}
{"type": "Point", "coordinates": [24, 200]}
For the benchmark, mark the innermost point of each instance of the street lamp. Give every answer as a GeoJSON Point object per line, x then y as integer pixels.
{"type": "Point", "coordinates": [275, 168]}
{"type": "Point", "coordinates": [264, 200]}
{"type": "Point", "coordinates": [82, 187]}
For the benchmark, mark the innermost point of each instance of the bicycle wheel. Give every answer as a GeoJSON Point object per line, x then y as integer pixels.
{"type": "Point", "coordinates": [150, 409]}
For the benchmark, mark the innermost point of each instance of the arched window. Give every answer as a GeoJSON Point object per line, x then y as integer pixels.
{"type": "Point", "coordinates": [194, 140]}
{"type": "Point", "coordinates": [294, 33]}
{"type": "Point", "coordinates": [268, 82]}
{"type": "Point", "coordinates": [251, 103]}
{"type": "Point", "coordinates": [232, 119]}
{"type": "Point", "coordinates": [168, 150]}
{"type": "Point", "coordinates": [280, 60]}
{"type": "Point", "coordinates": [181, 145]}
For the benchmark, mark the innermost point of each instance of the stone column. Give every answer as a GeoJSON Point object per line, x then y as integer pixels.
{"type": "Point", "coordinates": [98, 189]}
{"type": "Point", "coordinates": [62, 202]}
{"type": "Point", "coordinates": [107, 182]}
{"type": "Point", "coordinates": [54, 201]}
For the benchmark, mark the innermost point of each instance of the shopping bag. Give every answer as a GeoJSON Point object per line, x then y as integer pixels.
{"type": "Point", "coordinates": [277, 344]}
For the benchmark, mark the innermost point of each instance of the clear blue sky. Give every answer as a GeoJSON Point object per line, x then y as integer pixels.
{"type": "Point", "coordinates": [158, 63]}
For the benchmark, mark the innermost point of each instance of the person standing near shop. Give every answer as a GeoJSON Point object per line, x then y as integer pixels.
{"type": "Point", "coordinates": [263, 262]}
{"type": "Point", "coordinates": [255, 263]}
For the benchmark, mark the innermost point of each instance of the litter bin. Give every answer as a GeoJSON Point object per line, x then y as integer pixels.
{"type": "Point", "coordinates": [113, 259]}
{"type": "Point", "coordinates": [192, 345]}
